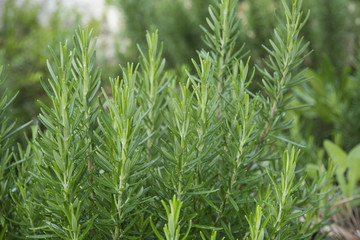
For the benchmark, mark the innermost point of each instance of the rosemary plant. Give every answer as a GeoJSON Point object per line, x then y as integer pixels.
{"type": "Point", "coordinates": [119, 159]}
{"type": "Point", "coordinates": [153, 80]}
{"type": "Point", "coordinates": [65, 144]}
{"type": "Point", "coordinates": [6, 171]}
{"type": "Point", "coordinates": [5, 154]}
{"type": "Point", "coordinates": [27, 192]}
{"type": "Point", "coordinates": [215, 148]}
{"type": "Point", "coordinates": [172, 229]}
{"type": "Point", "coordinates": [221, 37]}
{"type": "Point", "coordinates": [285, 55]}
{"type": "Point", "coordinates": [256, 229]}
{"type": "Point", "coordinates": [206, 124]}
{"type": "Point", "coordinates": [8, 163]}
{"type": "Point", "coordinates": [179, 156]}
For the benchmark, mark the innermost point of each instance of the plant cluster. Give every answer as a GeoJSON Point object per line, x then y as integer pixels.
{"type": "Point", "coordinates": [204, 157]}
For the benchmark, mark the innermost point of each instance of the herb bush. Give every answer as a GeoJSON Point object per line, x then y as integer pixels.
{"type": "Point", "coordinates": [201, 158]}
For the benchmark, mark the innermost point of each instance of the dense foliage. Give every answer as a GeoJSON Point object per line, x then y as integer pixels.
{"type": "Point", "coordinates": [212, 153]}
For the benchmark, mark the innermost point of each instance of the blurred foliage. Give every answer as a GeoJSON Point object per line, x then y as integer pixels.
{"type": "Point", "coordinates": [23, 48]}
{"type": "Point", "coordinates": [333, 89]}
{"type": "Point", "coordinates": [332, 29]}
{"type": "Point", "coordinates": [349, 163]}
{"type": "Point", "coordinates": [178, 22]}
{"type": "Point", "coordinates": [258, 23]}
{"type": "Point", "coordinates": [334, 111]}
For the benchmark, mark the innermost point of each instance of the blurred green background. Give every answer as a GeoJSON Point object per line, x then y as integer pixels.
{"type": "Point", "coordinates": [333, 30]}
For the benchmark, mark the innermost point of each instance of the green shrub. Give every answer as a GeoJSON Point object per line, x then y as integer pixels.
{"type": "Point", "coordinates": [106, 163]}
